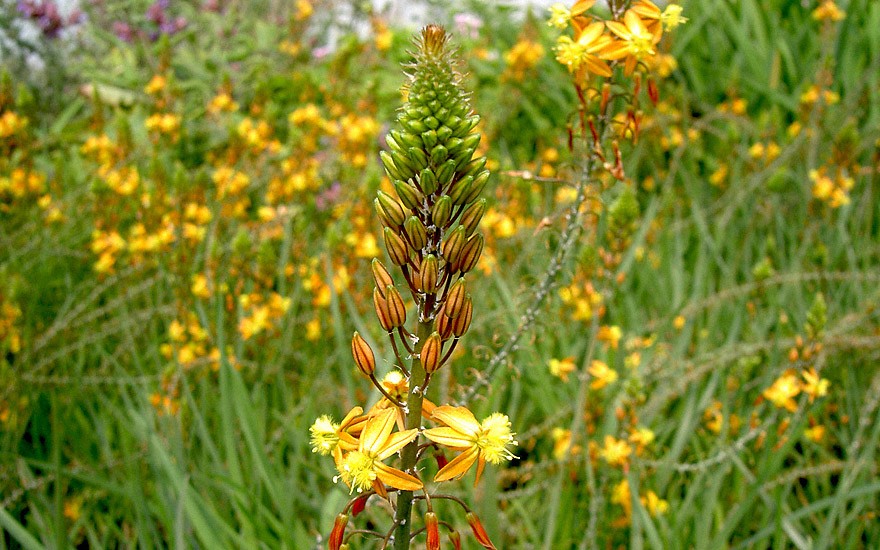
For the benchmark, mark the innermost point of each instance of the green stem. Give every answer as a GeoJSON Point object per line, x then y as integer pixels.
{"type": "Point", "coordinates": [402, 517]}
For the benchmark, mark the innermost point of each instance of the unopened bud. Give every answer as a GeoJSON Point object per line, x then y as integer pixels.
{"type": "Point", "coordinates": [392, 209]}
{"type": "Point", "coordinates": [477, 186]}
{"type": "Point", "coordinates": [445, 172]}
{"type": "Point", "coordinates": [363, 355]}
{"type": "Point", "coordinates": [455, 299]}
{"type": "Point", "coordinates": [397, 249]}
{"type": "Point", "coordinates": [470, 253]}
{"type": "Point", "coordinates": [460, 190]}
{"type": "Point", "coordinates": [334, 541]}
{"type": "Point", "coordinates": [381, 276]}
{"type": "Point", "coordinates": [653, 92]}
{"type": "Point", "coordinates": [390, 168]}
{"type": "Point", "coordinates": [415, 231]}
{"type": "Point", "coordinates": [606, 97]}
{"type": "Point", "coordinates": [381, 305]}
{"type": "Point", "coordinates": [428, 274]}
{"type": "Point", "coordinates": [453, 246]}
{"type": "Point", "coordinates": [455, 539]}
{"type": "Point", "coordinates": [442, 211]}
{"type": "Point", "coordinates": [479, 531]}
{"type": "Point", "coordinates": [429, 139]}
{"type": "Point", "coordinates": [462, 323]}
{"type": "Point", "coordinates": [396, 307]}
{"type": "Point", "coordinates": [409, 195]}
{"type": "Point", "coordinates": [432, 530]}
{"type": "Point", "coordinates": [428, 181]}
{"type": "Point", "coordinates": [473, 167]}
{"type": "Point", "coordinates": [443, 324]}
{"type": "Point", "coordinates": [470, 218]}
{"type": "Point", "coordinates": [430, 353]}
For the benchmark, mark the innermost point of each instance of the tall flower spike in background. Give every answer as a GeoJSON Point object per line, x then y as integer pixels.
{"type": "Point", "coordinates": [430, 234]}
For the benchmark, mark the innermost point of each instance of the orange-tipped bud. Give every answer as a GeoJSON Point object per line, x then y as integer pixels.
{"type": "Point", "coordinates": [428, 274]}
{"type": "Point", "coordinates": [381, 305]}
{"type": "Point", "coordinates": [653, 92]}
{"type": "Point", "coordinates": [430, 354]}
{"type": "Point", "coordinates": [415, 232]}
{"type": "Point", "coordinates": [396, 307]}
{"type": "Point", "coordinates": [455, 299]}
{"type": "Point", "coordinates": [470, 218]}
{"type": "Point", "coordinates": [479, 531]}
{"type": "Point", "coordinates": [397, 249]}
{"type": "Point", "coordinates": [334, 541]}
{"type": "Point", "coordinates": [462, 323]}
{"type": "Point", "coordinates": [606, 96]}
{"type": "Point", "coordinates": [470, 253]}
{"type": "Point", "coordinates": [453, 245]}
{"type": "Point", "coordinates": [432, 528]}
{"type": "Point", "coordinates": [381, 276]}
{"type": "Point", "coordinates": [392, 209]}
{"type": "Point", "coordinates": [455, 539]}
{"type": "Point", "coordinates": [363, 355]}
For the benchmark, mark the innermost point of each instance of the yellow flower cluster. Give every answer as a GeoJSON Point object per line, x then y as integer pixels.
{"type": "Point", "coordinates": [10, 337]}
{"type": "Point", "coordinates": [784, 389]}
{"type": "Point", "coordinates": [11, 123]}
{"type": "Point", "coordinates": [833, 191]}
{"type": "Point", "coordinates": [21, 183]}
{"type": "Point", "coordinates": [622, 496]}
{"type": "Point", "coordinates": [597, 45]}
{"type": "Point", "coordinates": [259, 314]}
{"type": "Point", "coordinates": [522, 58]}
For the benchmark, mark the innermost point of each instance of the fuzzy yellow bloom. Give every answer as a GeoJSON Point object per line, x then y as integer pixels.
{"type": "Point", "coordinates": [815, 433]}
{"type": "Point", "coordinates": [813, 385]}
{"type": "Point", "coordinates": [635, 42]}
{"type": "Point", "coordinates": [655, 505]}
{"type": "Point", "coordinates": [479, 442]}
{"type": "Point", "coordinates": [783, 391]}
{"type": "Point", "coordinates": [156, 84]}
{"type": "Point", "coordinates": [585, 51]}
{"type": "Point", "coordinates": [11, 123]}
{"type": "Point", "coordinates": [615, 451]}
{"type": "Point", "coordinates": [522, 57]}
{"type": "Point", "coordinates": [828, 11]}
{"type": "Point", "coordinates": [222, 103]}
{"type": "Point", "coordinates": [672, 17]}
{"type": "Point", "coordinates": [326, 435]}
{"type": "Point", "coordinates": [364, 469]}
{"type": "Point", "coordinates": [561, 368]}
{"type": "Point", "coordinates": [602, 374]}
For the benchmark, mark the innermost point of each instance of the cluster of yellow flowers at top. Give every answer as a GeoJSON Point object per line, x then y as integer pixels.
{"type": "Point", "coordinates": [784, 389]}
{"type": "Point", "coordinates": [362, 442]}
{"type": "Point", "coordinates": [833, 191]}
{"type": "Point", "coordinates": [828, 11]}
{"type": "Point", "coordinates": [630, 41]}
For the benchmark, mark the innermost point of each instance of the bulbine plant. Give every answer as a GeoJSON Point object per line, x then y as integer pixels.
{"type": "Point", "coordinates": [430, 233]}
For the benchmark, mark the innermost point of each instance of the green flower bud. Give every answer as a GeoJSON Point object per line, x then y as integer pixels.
{"type": "Point", "coordinates": [410, 196]}
{"type": "Point", "coordinates": [415, 232]}
{"type": "Point", "coordinates": [442, 211]}
{"type": "Point", "coordinates": [470, 218]}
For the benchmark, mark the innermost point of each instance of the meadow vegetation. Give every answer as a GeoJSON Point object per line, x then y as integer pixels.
{"type": "Point", "coordinates": [676, 305]}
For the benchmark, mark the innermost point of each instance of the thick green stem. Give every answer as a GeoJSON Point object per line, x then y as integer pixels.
{"type": "Point", "coordinates": [402, 518]}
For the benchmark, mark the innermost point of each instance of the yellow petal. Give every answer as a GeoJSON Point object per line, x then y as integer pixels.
{"type": "Point", "coordinates": [458, 418]}
{"type": "Point", "coordinates": [396, 478]}
{"type": "Point", "coordinates": [376, 431]}
{"type": "Point", "coordinates": [597, 66]}
{"type": "Point", "coordinates": [581, 6]}
{"type": "Point", "coordinates": [347, 442]}
{"type": "Point", "coordinates": [591, 33]}
{"type": "Point", "coordinates": [449, 437]}
{"type": "Point", "coordinates": [459, 465]}
{"type": "Point", "coordinates": [616, 50]}
{"type": "Point", "coordinates": [396, 442]}
{"type": "Point", "coordinates": [379, 487]}
{"type": "Point", "coordinates": [350, 417]}
{"type": "Point", "coordinates": [618, 28]}
{"type": "Point", "coordinates": [634, 23]}
{"type": "Point", "coordinates": [481, 463]}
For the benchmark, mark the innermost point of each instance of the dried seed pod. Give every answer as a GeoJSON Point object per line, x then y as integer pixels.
{"type": "Point", "coordinates": [470, 253]}
{"type": "Point", "coordinates": [430, 353]}
{"type": "Point", "coordinates": [363, 355]}
{"type": "Point", "coordinates": [397, 249]}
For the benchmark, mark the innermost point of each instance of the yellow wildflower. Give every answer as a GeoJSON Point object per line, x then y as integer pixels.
{"type": "Point", "coordinates": [561, 368]}
{"type": "Point", "coordinates": [615, 451]}
{"type": "Point", "coordinates": [783, 391]}
{"type": "Point", "coordinates": [813, 385]}
{"type": "Point", "coordinates": [828, 11]}
{"type": "Point", "coordinates": [602, 374]}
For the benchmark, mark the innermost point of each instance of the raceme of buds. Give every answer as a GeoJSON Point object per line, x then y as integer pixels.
{"type": "Point", "coordinates": [363, 355]}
